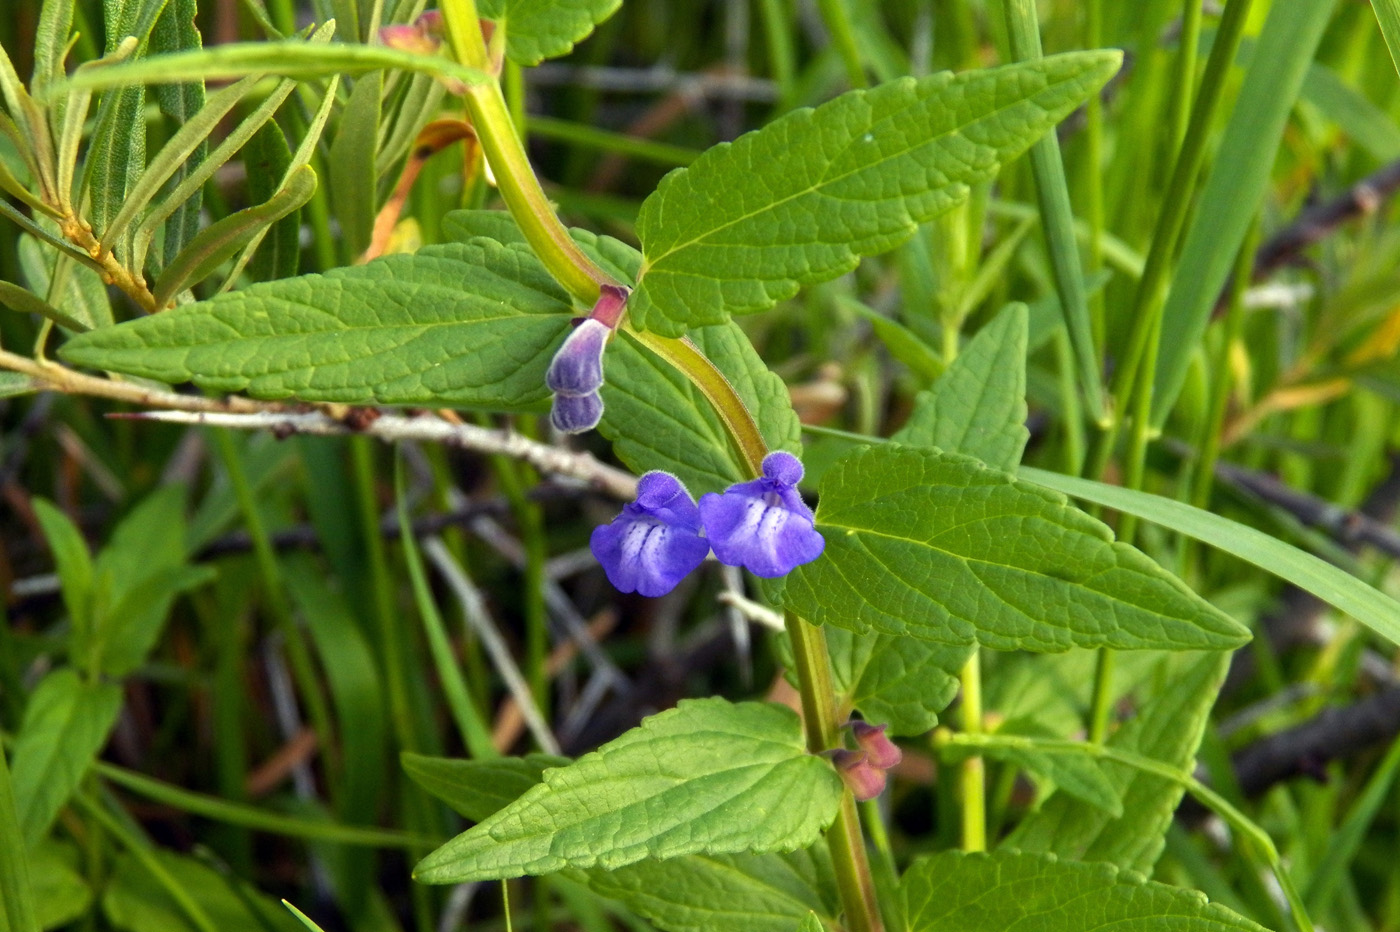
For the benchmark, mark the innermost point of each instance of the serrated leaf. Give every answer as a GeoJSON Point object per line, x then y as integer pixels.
{"type": "Point", "coordinates": [897, 681]}
{"type": "Point", "coordinates": [937, 546]}
{"type": "Point", "coordinates": [800, 200]}
{"type": "Point", "coordinates": [978, 407]}
{"type": "Point", "coordinates": [471, 324]}
{"type": "Point", "coordinates": [657, 418]}
{"type": "Point", "coordinates": [954, 891]}
{"type": "Point", "coordinates": [477, 789]}
{"type": "Point", "coordinates": [707, 777]}
{"type": "Point", "coordinates": [65, 724]}
{"type": "Point", "coordinates": [1168, 728]}
{"type": "Point", "coordinates": [540, 29]}
{"type": "Point", "coordinates": [137, 902]}
{"type": "Point", "coordinates": [702, 893]}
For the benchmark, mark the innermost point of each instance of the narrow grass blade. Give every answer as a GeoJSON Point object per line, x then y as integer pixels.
{"type": "Point", "coordinates": [16, 898]}
{"type": "Point", "coordinates": [1236, 186]}
{"type": "Point", "coordinates": [1388, 15]}
{"type": "Point", "coordinates": [27, 302]}
{"type": "Point", "coordinates": [1057, 220]}
{"type": "Point", "coordinates": [353, 180]}
{"type": "Point", "coordinates": [1368, 605]}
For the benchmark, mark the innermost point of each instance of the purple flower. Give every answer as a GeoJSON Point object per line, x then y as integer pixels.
{"type": "Point", "coordinates": [655, 541]}
{"type": "Point", "coordinates": [763, 525]}
{"type": "Point", "coordinates": [574, 414]}
{"type": "Point", "coordinates": [577, 367]}
{"type": "Point", "coordinates": [861, 776]}
{"type": "Point", "coordinates": [881, 751]}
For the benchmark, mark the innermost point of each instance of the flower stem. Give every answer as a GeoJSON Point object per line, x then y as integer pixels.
{"type": "Point", "coordinates": [844, 838]}
{"type": "Point", "coordinates": [521, 190]}
{"type": "Point", "coordinates": [972, 776]}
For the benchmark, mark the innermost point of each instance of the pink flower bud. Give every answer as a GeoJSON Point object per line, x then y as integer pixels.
{"type": "Point", "coordinates": [883, 752]}
{"type": "Point", "coordinates": [864, 779]}
{"type": "Point", "coordinates": [409, 39]}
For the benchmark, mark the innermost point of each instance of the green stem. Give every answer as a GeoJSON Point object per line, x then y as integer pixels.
{"type": "Point", "coordinates": [844, 839]}
{"type": "Point", "coordinates": [973, 774]}
{"type": "Point", "coordinates": [1102, 706]}
{"type": "Point", "coordinates": [1093, 160]}
{"type": "Point", "coordinates": [706, 377]}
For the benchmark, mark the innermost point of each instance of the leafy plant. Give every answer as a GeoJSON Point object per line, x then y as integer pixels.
{"type": "Point", "coordinates": [936, 551]}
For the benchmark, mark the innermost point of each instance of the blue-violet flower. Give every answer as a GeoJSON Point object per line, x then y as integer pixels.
{"type": "Point", "coordinates": [574, 414]}
{"type": "Point", "coordinates": [763, 525]}
{"type": "Point", "coordinates": [656, 540]}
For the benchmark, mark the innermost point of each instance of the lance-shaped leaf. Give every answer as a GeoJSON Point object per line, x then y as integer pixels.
{"type": "Point", "coordinates": [217, 243]}
{"type": "Point", "coordinates": [65, 724]}
{"type": "Point", "coordinates": [800, 200]}
{"type": "Point", "coordinates": [959, 892]}
{"type": "Point", "coordinates": [978, 406]}
{"type": "Point", "coordinates": [476, 789]}
{"type": "Point", "coordinates": [472, 324]}
{"type": "Point", "coordinates": [935, 545]}
{"type": "Point", "coordinates": [540, 29]}
{"type": "Point", "coordinates": [708, 776]}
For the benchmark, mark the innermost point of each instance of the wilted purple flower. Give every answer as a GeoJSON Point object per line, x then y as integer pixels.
{"type": "Point", "coordinates": [763, 525]}
{"type": "Point", "coordinates": [863, 778]}
{"type": "Point", "coordinates": [881, 751]}
{"type": "Point", "coordinates": [655, 541]}
{"type": "Point", "coordinates": [574, 414]}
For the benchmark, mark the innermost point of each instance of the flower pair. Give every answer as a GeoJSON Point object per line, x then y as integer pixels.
{"type": "Point", "coordinates": [864, 770]}
{"type": "Point", "coordinates": [762, 525]}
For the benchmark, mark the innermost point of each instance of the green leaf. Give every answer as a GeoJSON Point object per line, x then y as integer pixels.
{"type": "Point", "coordinates": [904, 344]}
{"type": "Point", "coordinates": [954, 891]}
{"type": "Point", "coordinates": [61, 894]}
{"type": "Point", "coordinates": [1337, 587]}
{"type": "Point", "coordinates": [1075, 773]}
{"type": "Point", "coordinates": [25, 301]}
{"type": "Point", "coordinates": [800, 200]}
{"type": "Point", "coordinates": [71, 559]}
{"type": "Point", "coordinates": [18, 912]}
{"type": "Point", "coordinates": [707, 777]}
{"type": "Point", "coordinates": [176, 31]}
{"type": "Point", "coordinates": [14, 384]}
{"type": "Point", "coordinates": [471, 324]}
{"type": "Point", "coordinates": [138, 900]}
{"type": "Point", "coordinates": [657, 419]}
{"type": "Point", "coordinates": [978, 407]}
{"type": "Point", "coordinates": [540, 29]}
{"type": "Point", "coordinates": [935, 545]}
{"type": "Point", "coordinates": [1388, 15]}
{"type": "Point", "coordinates": [217, 242]}
{"type": "Point", "coordinates": [1168, 728]}
{"type": "Point", "coordinates": [83, 297]}
{"type": "Point", "coordinates": [902, 682]}
{"type": "Point", "coordinates": [354, 192]}
{"type": "Point", "coordinates": [267, 160]}
{"type": "Point", "coordinates": [811, 924]}
{"type": "Point", "coordinates": [702, 893]}
{"type": "Point", "coordinates": [293, 58]}
{"type": "Point", "coordinates": [65, 725]}
{"type": "Point", "coordinates": [477, 789]}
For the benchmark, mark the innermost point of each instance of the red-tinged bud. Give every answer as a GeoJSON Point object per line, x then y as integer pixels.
{"type": "Point", "coordinates": [410, 39]}
{"type": "Point", "coordinates": [864, 779]}
{"type": "Point", "coordinates": [612, 300]}
{"type": "Point", "coordinates": [871, 739]}
{"type": "Point", "coordinates": [430, 22]}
